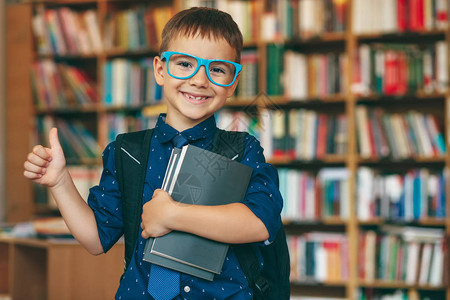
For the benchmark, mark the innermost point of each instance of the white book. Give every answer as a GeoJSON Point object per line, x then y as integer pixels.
{"type": "Point", "coordinates": [307, 17]}
{"type": "Point", "coordinates": [425, 263]}
{"type": "Point", "coordinates": [442, 66]}
{"type": "Point", "coordinates": [310, 136]}
{"type": "Point", "coordinates": [437, 265]}
{"type": "Point", "coordinates": [268, 26]}
{"type": "Point", "coordinates": [412, 262]}
{"type": "Point", "coordinates": [365, 68]}
{"type": "Point", "coordinates": [266, 136]}
{"type": "Point", "coordinates": [321, 263]}
{"type": "Point", "coordinates": [90, 18]}
{"type": "Point", "coordinates": [119, 81]}
{"type": "Point", "coordinates": [388, 15]}
{"type": "Point", "coordinates": [442, 10]}
{"type": "Point", "coordinates": [358, 22]}
{"type": "Point", "coordinates": [365, 179]}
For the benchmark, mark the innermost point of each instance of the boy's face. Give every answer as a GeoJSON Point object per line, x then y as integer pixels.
{"type": "Point", "coordinates": [190, 101]}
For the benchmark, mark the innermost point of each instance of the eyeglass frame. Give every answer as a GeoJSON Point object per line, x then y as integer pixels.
{"type": "Point", "coordinates": [201, 62]}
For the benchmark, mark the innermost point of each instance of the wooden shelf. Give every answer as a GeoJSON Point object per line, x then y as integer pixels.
{"type": "Point", "coordinates": [56, 269]}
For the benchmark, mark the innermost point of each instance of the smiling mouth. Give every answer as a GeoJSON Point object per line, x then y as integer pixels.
{"type": "Point", "coordinates": [195, 99]}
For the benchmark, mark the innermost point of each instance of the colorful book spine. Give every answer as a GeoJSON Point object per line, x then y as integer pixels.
{"type": "Point", "coordinates": [318, 257]}
{"type": "Point", "coordinates": [416, 194]}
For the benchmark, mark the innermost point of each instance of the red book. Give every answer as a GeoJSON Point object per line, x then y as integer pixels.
{"type": "Point", "coordinates": [391, 72]}
{"type": "Point", "coordinates": [318, 198]}
{"type": "Point", "coordinates": [401, 15]}
{"type": "Point", "coordinates": [420, 15]}
{"type": "Point", "coordinates": [412, 16]}
{"type": "Point", "coordinates": [361, 256]}
{"type": "Point", "coordinates": [321, 146]}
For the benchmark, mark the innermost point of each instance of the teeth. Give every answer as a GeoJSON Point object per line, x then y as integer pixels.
{"type": "Point", "coordinates": [195, 98]}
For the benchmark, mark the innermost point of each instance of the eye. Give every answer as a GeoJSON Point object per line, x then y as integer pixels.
{"type": "Point", "coordinates": [217, 70]}
{"type": "Point", "coordinates": [220, 69]}
{"type": "Point", "coordinates": [184, 64]}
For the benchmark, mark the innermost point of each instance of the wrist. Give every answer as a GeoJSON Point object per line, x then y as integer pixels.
{"type": "Point", "coordinates": [176, 212]}
{"type": "Point", "coordinates": [62, 181]}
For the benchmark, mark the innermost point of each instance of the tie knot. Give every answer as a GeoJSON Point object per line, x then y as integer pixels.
{"type": "Point", "coordinates": [179, 141]}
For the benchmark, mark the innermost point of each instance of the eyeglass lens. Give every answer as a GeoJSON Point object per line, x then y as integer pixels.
{"type": "Point", "coordinates": [184, 66]}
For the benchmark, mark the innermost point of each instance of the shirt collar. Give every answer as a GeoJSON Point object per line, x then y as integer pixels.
{"type": "Point", "coordinates": [165, 132]}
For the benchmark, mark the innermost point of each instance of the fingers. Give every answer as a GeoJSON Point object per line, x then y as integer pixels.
{"type": "Point", "coordinates": [39, 155]}
{"type": "Point", "coordinates": [32, 175]}
{"type": "Point", "coordinates": [53, 139]}
{"type": "Point", "coordinates": [37, 162]}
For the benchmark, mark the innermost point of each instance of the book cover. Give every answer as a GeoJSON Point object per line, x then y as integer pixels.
{"type": "Point", "coordinates": [200, 177]}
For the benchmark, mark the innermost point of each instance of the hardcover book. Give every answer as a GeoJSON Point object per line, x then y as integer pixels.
{"type": "Point", "coordinates": [199, 177]}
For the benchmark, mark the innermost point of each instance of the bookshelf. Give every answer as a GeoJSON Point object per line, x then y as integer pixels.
{"type": "Point", "coordinates": [2, 112]}
{"type": "Point", "coordinates": [324, 80]}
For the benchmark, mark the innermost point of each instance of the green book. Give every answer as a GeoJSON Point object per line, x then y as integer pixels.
{"type": "Point", "coordinates": [200, 177]}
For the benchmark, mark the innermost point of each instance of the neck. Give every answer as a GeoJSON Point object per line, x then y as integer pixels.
{"type": "Point", "coordinates": [182, 124]}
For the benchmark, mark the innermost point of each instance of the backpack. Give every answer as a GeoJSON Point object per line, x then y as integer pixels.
{"type": "Point", "coordinates": [272, 282]}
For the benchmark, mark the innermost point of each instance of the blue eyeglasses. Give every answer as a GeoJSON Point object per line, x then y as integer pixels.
{"type": "Point", "coordinates": [184, 66]}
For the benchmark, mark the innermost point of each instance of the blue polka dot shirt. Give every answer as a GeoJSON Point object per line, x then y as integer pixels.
{"type": "Point", "coordinates": [262, 197]}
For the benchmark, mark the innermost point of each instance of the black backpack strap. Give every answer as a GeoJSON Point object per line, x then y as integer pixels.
{"type": "Point", "coordinates": [131, 157]}
{"type": "Point", "coordinates": [232, 145]}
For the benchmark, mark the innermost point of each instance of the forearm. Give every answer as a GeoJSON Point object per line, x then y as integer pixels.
{"type": "Point", "coordinates": [77, 214]}
{"type": "Point", "coordinates": [232, 223]}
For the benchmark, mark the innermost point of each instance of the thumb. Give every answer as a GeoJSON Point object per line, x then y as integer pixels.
{"type": "Point", "coordinates": [53, 139]}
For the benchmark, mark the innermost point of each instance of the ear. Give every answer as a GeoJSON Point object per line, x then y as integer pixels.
{"type": "Point", "coordinates": [232, 87]}
{"type": "Point", "coordinates": [158, 68]}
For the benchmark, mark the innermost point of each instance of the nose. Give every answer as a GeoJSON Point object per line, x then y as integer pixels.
{"type": "Point", "coordinates": [200, 78]}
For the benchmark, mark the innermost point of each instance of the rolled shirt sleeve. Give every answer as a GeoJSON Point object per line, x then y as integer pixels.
{"type": "Point", "coordinates": [263, 196]}
{"type": "Point", "coordinates": [105, 200]}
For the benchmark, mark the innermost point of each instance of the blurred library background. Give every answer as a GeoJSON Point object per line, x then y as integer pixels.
{"type": "Point", "coordinates": [349, 98]}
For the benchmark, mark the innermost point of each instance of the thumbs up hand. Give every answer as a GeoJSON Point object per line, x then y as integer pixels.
{"type": "Point", "coordinates": [46, 165]}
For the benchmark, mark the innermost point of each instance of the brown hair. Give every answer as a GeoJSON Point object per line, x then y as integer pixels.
{"type": "Point", "coordinates": [207, 22]}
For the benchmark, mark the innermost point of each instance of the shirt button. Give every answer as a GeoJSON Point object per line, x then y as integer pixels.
{"type": "Point", "coordinates": [187, 289]}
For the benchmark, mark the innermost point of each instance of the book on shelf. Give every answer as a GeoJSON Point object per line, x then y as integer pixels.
{"type": "Point", "coordinates": [309, 197]}
{"type": "Point", "coordinates": [59, 85]}
{"type": "Point", "coordinates": [413, 255]}
{"type": "Point", "coordinates": [303, 134]}
{"type": "Point", "coordinates": [304, 18]}
{"type": "Point", "coordinates": [130, 83]}
{"type": "Point", "coordinates": [136, 28]}
{"type": "Point", "coordinates": [199, 177]}
{"type": "Point", "coordinates": [399, 69]}
{"type": "Point", "coordinates": [398, 135]}
{"type": "Point", "coordinates": [64, 31]}
{"type": "Point", "coordinates": [77, 141]}
{"type": "Point", "coordinates": [319, 256]}
{"type": "Point", "coordinates": [316, 75]}
{"type": "Point", "coordinates": [248, 78]}
{"type": "Point", "coordinates": [415, 194]}
{"type": "Point", "coordinates": [399, 16]}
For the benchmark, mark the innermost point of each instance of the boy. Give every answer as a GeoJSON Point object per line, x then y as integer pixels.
{"type": "Point", "coordinates": [193, 92]}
